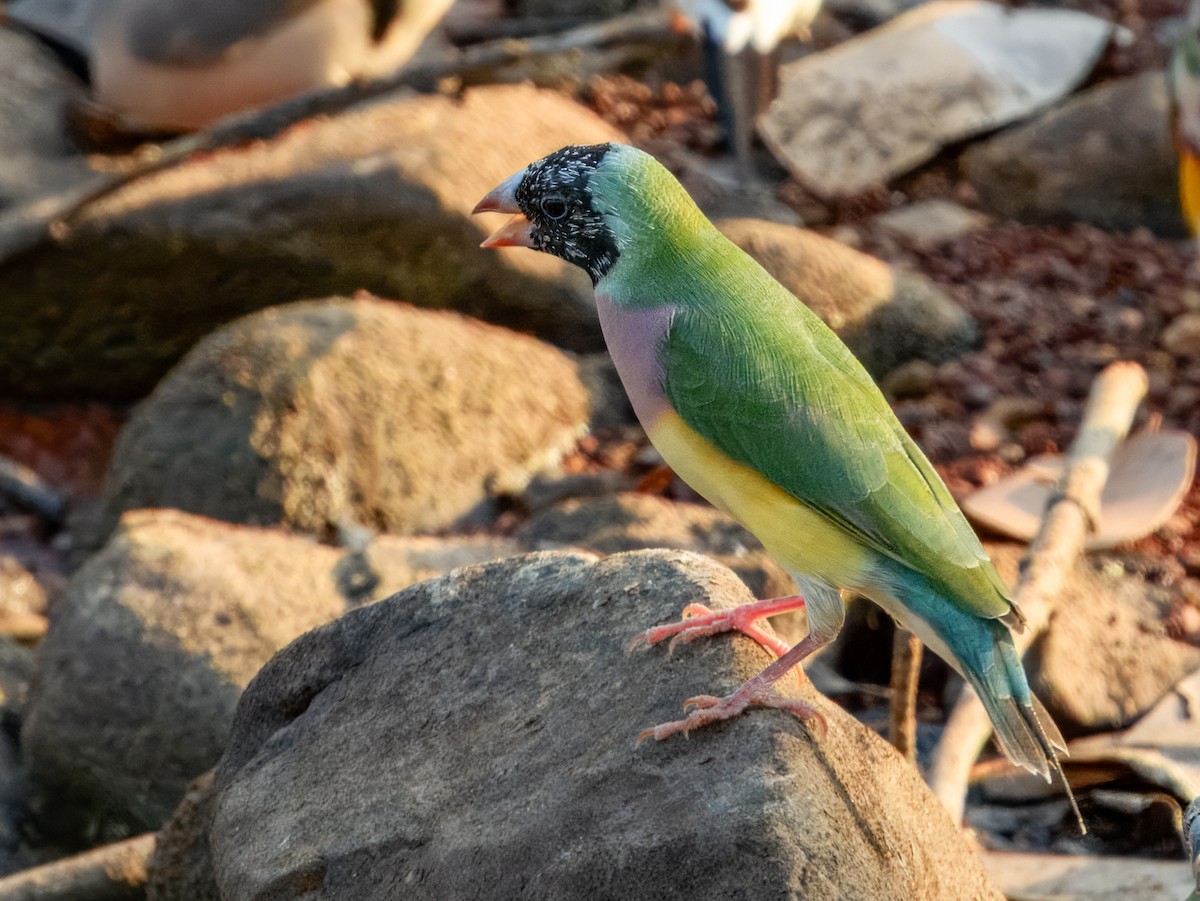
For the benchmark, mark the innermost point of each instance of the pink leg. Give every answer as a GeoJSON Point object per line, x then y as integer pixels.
{"type": "Point", "coordinates": [699, 621]}
{"type": "Point", "coordinates": [757, 691]}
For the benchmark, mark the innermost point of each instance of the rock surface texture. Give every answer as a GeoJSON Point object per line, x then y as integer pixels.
{"type": "Point", "coordinates": [322, 414]}
{"type": "Point", "coordinates": [879, 105]}
{"type": "Point", "coordinates": [146, 656]}
{"type": "Point", "coordinates": [1106, 157]}
{"type": "Point", "coordinates": [377, 198]}
{"type": "Point", "coordinates": [35, 155]}
{"type": "Point", "coordinates": [474, 737]}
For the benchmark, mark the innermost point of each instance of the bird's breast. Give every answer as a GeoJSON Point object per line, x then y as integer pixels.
{"type": "Point", "coordinates": [635, 338]}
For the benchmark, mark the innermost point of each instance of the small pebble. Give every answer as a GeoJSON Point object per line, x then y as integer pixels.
{"type": "Point", "coordinates": [978, 395]}
{"type": "Point", "coordinates": [1182, 336]}
{"type": "Point", "coordinates": [915, 378]}
{"type": "Point", "coordinates": [986, 435]}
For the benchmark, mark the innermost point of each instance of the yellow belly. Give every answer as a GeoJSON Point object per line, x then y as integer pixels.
{"type": "Point", "coordinates": [800, 538]}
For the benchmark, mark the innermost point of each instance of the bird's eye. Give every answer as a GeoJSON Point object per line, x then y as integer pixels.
{"type": "Point", "coordinates": [554, 208]}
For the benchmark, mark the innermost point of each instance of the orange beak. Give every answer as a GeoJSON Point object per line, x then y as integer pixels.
{"type": "Point", "coordinates": [517, 231]}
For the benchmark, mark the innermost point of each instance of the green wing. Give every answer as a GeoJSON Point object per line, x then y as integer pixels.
{"type": "Point", "coordinates": [760, 376]}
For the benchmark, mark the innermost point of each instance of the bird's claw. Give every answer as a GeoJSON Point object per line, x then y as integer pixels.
{"type": "Point", "coordinates": [677, 631]}
{"type": "Point", "coordinates": [698, 621]}
{"type": "Point", "coordinates": [706, 709]}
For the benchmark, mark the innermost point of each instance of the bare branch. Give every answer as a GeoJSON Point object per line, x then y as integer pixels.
{"type": "Point", "coordinates": [902, 712]}
{"type": "Point", "coordinates": [103, 874]}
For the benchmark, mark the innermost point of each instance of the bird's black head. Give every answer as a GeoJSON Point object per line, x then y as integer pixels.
{"type": "Point", "coordinates": [555, 212]}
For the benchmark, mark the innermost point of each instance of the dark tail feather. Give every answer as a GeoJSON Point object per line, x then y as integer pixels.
{"type": "Point", "coordinates": [1052, 744]}
{"type": "Point", "coordinates": [1029, 738]}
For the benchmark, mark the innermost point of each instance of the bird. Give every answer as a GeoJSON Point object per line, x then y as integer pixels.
{"type": "Point", "coordinates": [179, 65]}
{"type": "Point", "coordinates": [1184, 79]}
{"type": "Point", "coordinates": [740, 41]}
{"type": "Point", "coordinates": [760, 407]}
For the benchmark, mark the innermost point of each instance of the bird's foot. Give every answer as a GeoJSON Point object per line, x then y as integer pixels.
{"type": "Point", "coordinates": [711, 709]}
{"type": "Point", "coordinates": [698, 621]}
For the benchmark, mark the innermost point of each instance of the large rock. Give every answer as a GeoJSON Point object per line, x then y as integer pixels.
{"type": "Point", "coordinates": [877, 106]}
{"type": "Point", "coordinates": [146, 656]}
{"type": "Point", "coordinates": [886, 316]}
{"type": "Point", "coordinates": [378, 197]}
{"type": "Point", "coordinates": [1106, 157]}
{"type": "Point", "coordinates": [360, 411]}
{"type": "Point", "coordinates": [35, 155]}
{"type": "Point", "coordinates": [629, 521]}
{"type": "Point", "coordinates": [16, 671]}
{"type": "Point", "coordinates": [473, 737]}
{"type": "Point", "coordinates": [145, 659]}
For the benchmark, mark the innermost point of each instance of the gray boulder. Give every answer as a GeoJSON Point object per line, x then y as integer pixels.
{"type": "Point", "coordinates": [474, 737]}
{"type": "Point", "coordinates": [36, 157]}
{"type": "Point", "coordinates": [859, 114]}
{"type": "Point", "coordinates": [147, 654]}
{"type": "Point", "coordinates": [405, 560]}
{"type": "Point", "coordinates": [1105, 157]}
{"type": "Point", "coordinates": [145, 658]}
{"type": "Point", "coordinates": [885, 315]}
{"type": "Point", "coordinates": [377, 198]}
{"type": "Point", "coordinates": [928, 223]}
{"type": "Point", "coordinates": [328, 413]}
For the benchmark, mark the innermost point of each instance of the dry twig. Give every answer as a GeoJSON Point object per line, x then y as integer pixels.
{"type": "Point", "coordinates": [110, 873]}
{"type": "Point", "coordinates": [902, 711]}
{"type": "Point", "coordinates": [1114, 399]}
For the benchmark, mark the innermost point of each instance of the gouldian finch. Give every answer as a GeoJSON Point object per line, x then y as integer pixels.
{"type": "Point", "coordinates": [1185, 95]}
{"type": "Point", "coordinates": [762, 409]}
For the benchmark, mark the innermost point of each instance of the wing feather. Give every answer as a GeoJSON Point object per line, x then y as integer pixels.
{"type": "Point", "coordinates": [761, 377]}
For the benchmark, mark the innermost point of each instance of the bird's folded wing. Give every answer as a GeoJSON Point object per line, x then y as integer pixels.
{"type": "Point", "coordinates": [773, 388]}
